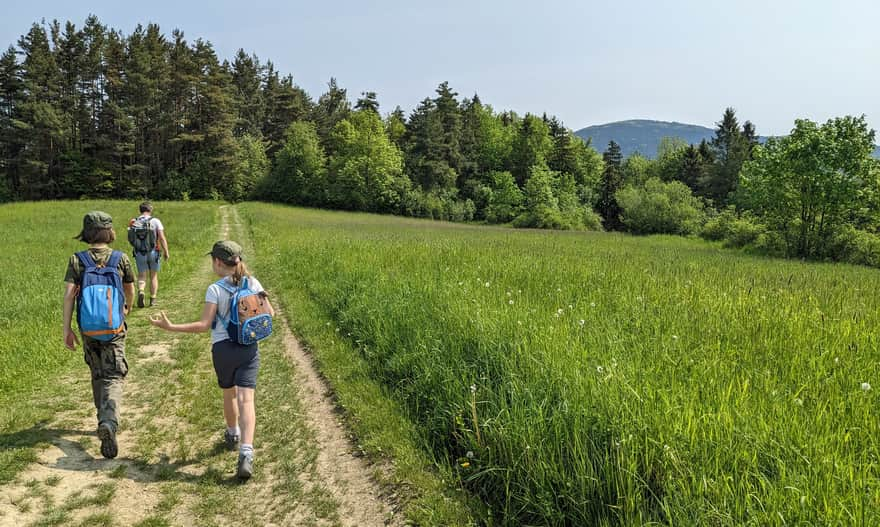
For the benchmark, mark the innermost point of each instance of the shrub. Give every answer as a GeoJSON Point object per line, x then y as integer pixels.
{"type": "Point", "coordinates": [855, 246]}
{"type": "Point", "coordinates": [660, 208]}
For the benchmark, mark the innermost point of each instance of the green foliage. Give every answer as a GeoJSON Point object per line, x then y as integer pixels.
{"type": "Point", "coordinates": [660, 208]}
{"type": "Point", "coordinates": [299, 175]}
{"type": "Point", "coordinates": [250, 167]}
{"type": "Point", "coordinates": [505, 199]}
{"type": "Point", "coordinates": [531, 147]}
{"type": "Point", "coordinates": [366, 169]}
{"type": "Point", "coordinates": [855, 246]}
{"type": "Point", "coordinates": [806, 185]}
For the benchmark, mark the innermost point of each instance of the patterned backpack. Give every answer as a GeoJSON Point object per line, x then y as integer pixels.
{"type": "Point", "coordinates": [249, 320]}
{"type": "Point", "coordinates": [100, 312]}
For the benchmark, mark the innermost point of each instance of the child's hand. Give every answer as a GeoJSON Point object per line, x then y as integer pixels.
{"type": "Point", "coordinates": [70, 340]}
{"type": "Point", "coordinates": [160, 321]}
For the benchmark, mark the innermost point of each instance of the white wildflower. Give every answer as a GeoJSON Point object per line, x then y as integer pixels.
{"type": "Point", "coordinates": [488, 284]}
{"type": "Point", "coordinates": [600, 370]}
{"type": "Point", "coordinates": [582, 322]}
{"type": "Point", "coordinates": [865, 387]}
{"type": "Point", "coordinates": [510, 301]}
{"type": "Point", "coordinates": [473, 388]}
{"type": "Point", "coordinates": [592, 304]}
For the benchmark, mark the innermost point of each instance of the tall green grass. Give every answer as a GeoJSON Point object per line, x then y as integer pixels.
{"type": "Point", "coordinates": [597, 379]}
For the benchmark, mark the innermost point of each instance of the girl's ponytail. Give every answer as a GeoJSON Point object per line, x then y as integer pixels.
{"type": "Point", "coordinates": [240, 272]}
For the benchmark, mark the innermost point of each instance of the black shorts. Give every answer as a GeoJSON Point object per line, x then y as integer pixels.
{"type": "Point", "coordinates": [236, 364]}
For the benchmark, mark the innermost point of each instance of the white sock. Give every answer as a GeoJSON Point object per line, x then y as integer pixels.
{"type": "Point", "coordinates": [233, 430]}
{"type": "Point", "coordinates": [246, 450]}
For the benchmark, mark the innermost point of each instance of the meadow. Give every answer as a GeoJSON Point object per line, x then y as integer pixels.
{"type": "Point", "coordinates": [598, 379]}
{"type": "Point", "coordinates": [561, 378]}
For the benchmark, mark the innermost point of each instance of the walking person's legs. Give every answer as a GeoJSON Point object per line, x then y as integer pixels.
{"type": "Point", "coordinates": [248, 422]}
{"type": "Point", "coordinates": [108, 366]}
{"type": "Point", "coordinates": [232, 436]}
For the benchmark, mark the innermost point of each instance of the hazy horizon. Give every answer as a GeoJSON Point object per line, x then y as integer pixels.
{"type": "Point", "coordinates": [588, 64]}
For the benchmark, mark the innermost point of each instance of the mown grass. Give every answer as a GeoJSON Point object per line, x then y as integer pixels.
{"type": "Point", "coordinates": [596, 379]}
{"type": "Point", "coordinates": [38, 241]}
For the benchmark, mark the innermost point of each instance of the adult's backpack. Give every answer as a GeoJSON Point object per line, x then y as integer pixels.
{"type": "Point", "coordinates": [249, 320]}
{"type": "Point", "coordinates": [100, 302]}
{"type": "Point", "coordinates": [142, 234]}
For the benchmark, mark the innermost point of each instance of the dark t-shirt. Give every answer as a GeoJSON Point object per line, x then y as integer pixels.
{"type": "Point", "coordinates": [100, 255]}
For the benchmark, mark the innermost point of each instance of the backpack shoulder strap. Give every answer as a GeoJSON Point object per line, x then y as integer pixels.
{"type": "Point", "coordinates": [113, 261]}
{"type": "Point", "coordinates": [86, 259]}
{"type": "Point", "coordinates": [226, 286]}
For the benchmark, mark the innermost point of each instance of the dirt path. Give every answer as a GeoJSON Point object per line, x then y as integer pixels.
{"type": "Point", "coordinates": [170, 472]}
{"type": "Point", "coordinates": [346, 475]}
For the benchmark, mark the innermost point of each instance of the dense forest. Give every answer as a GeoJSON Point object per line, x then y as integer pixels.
{"type": "Point", "coordinates": [91, 112]}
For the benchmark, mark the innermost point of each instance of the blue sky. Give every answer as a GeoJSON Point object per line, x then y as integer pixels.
{"type": "Point", "coordinates": [586, 62]}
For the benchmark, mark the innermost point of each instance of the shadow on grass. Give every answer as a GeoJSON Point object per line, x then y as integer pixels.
{"type": "Point", "coordinates": [19, 451]}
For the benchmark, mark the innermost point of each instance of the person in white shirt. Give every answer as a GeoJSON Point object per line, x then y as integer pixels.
{"type": "Point", "coordinates": [149, 262]}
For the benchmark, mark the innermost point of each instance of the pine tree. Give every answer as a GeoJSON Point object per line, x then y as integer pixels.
{"type": "Point", "coordinates": [449, 117]}
{"type": "Point", "coordinates": [368, 101]}
{"type": "Point", "coordinates": [611, 182]}
{"type": "Point", "coordinates": [250, 105]}
{"type": "Point", "coordinates": [42, 123]}
{"type": "Point", "coordinates": [11, 92]}
{"type": "Point", "coordinates": [285, 103]}
{"type": "Point", "coordinates": [730, 149]}
{"type": "Point", "coordinates": [332, 107]}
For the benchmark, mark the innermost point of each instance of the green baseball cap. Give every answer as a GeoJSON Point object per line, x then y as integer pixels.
{"type": "Point", "coordinates": [226, 250]}
{"type": "Point", "coordinates": [97, 220]}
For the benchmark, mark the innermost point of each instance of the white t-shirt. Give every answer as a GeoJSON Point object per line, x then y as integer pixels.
{"type": "Point", "coordinates": [221, 297]}
{"type": "Point", "coordinates": [156, 223]}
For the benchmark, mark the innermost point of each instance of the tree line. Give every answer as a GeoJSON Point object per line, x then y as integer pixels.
{"type": "Point", "coordinates": [90, 111]}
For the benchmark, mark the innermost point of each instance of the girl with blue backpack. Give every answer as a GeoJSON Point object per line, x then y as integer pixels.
{"type": "Point", "coordinates": [238, 314]}
{"type": "Point", "coordinates": [100, 284]}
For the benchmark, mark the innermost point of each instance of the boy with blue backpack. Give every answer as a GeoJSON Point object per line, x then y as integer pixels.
{"type": "Point", "coordinates": [238, 314]}
{"type": "Point", "coordinates": [100, 285]}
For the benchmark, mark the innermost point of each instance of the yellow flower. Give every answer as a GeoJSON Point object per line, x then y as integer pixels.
{"type": "Point", "coordinates": [465, 464]}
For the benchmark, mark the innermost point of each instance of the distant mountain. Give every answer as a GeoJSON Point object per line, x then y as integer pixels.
{"type": "Point", "coordinates": [644, 135]}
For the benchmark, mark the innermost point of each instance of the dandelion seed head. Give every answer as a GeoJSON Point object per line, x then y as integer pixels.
{"type": "Point", "coordinates": [469, 455]}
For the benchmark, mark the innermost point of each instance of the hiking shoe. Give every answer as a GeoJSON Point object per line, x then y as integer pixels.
{"type": "Point", "coordinates": [245, 466]}
{"type": "Point", "coordinates": [153, 301]}
{"type": "Point", "coordinates": [109, 447]}
{"type": "Point", "coordinates": [231, 440]}
{"type": "Point", "coordinates": [140, 299]}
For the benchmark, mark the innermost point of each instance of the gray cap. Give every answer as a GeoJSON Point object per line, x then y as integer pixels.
{"type": "Point", "coordinates": [97, 220]}
{"type": "Point", "coordinates": [226, 250]}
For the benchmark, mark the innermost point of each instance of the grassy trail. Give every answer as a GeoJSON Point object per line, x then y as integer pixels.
{"type": "Point", "coordinates": [172, 469]}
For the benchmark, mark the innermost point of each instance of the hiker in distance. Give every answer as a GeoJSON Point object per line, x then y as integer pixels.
{"type": "Point", "coordinates": [146, 234]}
{"type": "Point", "coordinates": [101, 282]}
{"type": "Point", "coordinates": [238, 314]}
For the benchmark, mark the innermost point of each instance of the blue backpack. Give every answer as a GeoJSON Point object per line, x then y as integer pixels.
{"type": "Point", "coordinates": [100, 300]}
{"type": "Point", "coordinates": [249, 320]}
